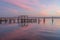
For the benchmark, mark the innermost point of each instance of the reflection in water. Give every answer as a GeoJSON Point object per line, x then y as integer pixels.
{"type": "Point", "coordinates": [47, 31]}
{"type": "Point", "coordinates": [23, 24]}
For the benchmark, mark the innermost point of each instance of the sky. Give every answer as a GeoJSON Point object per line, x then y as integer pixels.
{"type": "Point", "coordinates": [30, 7]}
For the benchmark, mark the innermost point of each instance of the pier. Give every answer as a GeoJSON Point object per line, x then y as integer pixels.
{"type": "Point", "coordinates": [24, 19]}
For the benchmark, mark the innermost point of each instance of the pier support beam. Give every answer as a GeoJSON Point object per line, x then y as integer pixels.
{"type": "Point", "coordinates": [52, 20]}
{"type": "Point", "coordinates": [10, 21]}
{"type": "Point", "coordinates": [14, 21]}
{"type": "Point", "coordinates": [18, 20]}
{"type": "Point", "coordinates": [5, 21]}
{"type": "Point", "coordinates": [44, 20]}
{"type": "Point", "coordinates": [38, 20]}
{"type": "Point", "coordinates": [0, 21]}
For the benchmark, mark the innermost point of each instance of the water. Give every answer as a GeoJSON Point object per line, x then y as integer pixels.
{"type": "Point", "coordinates": [35, 31]}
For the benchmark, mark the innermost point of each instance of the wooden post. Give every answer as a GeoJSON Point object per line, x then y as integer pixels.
{"type": "Point", "coordinates": [38, 21]}
{"type": "Point", "coordinates": [52, 20]}
{"type": "Point", "coordinates": [0, 20]}
{"type": "Point", "coordinates": [5, 21]}
{"type": "Point", "coordinates": [44, 20]}
{"type": "Point", "coordinates": [10, 21]}
{"type": "Point", "coordinates": [18, 20]}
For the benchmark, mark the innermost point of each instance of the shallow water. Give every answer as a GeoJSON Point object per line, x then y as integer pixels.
{"type": "Point", "coordinates": [34, 31]}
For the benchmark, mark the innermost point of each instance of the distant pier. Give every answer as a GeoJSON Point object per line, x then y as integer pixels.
{"type": "Point", "coordinates": [24, 19]}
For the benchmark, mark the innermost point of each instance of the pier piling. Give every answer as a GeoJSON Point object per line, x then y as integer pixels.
{"type": "Point", "coordinates": [52, 20]}
{"type": "Point", "coordinates": [44, 20]}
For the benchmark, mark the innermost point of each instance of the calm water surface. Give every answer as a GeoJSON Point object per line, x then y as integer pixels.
{"type": "Point", "coordinates": [34, 31]}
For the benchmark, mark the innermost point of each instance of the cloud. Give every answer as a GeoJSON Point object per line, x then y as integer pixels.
{"type": "Point", "coordinates": [37, 7]}
{"type": "Point", "coordinates": [5, 11]}
{"type": "Point", "coordinates": [20, 3]}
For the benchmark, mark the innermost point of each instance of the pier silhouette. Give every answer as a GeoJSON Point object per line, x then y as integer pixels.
{"type": "Point", "coordinates": [24, 19]}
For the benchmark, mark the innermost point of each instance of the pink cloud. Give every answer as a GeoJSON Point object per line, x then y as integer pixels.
{"type": "Point", "coordinates": [51, 10]}
{"type": "Point", "coordinates": [39, 9]}
{"type": "Point", "coordinates": [14, 11]}
{"type": "Point", "coordinates": [18, 3]}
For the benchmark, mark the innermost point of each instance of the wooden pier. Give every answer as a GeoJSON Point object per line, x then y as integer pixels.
{"type": "Point", "coordinates": [24, 19]}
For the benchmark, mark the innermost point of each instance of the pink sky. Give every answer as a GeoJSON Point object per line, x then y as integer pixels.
{"type": "Point", "coordinates": [33, 7]}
